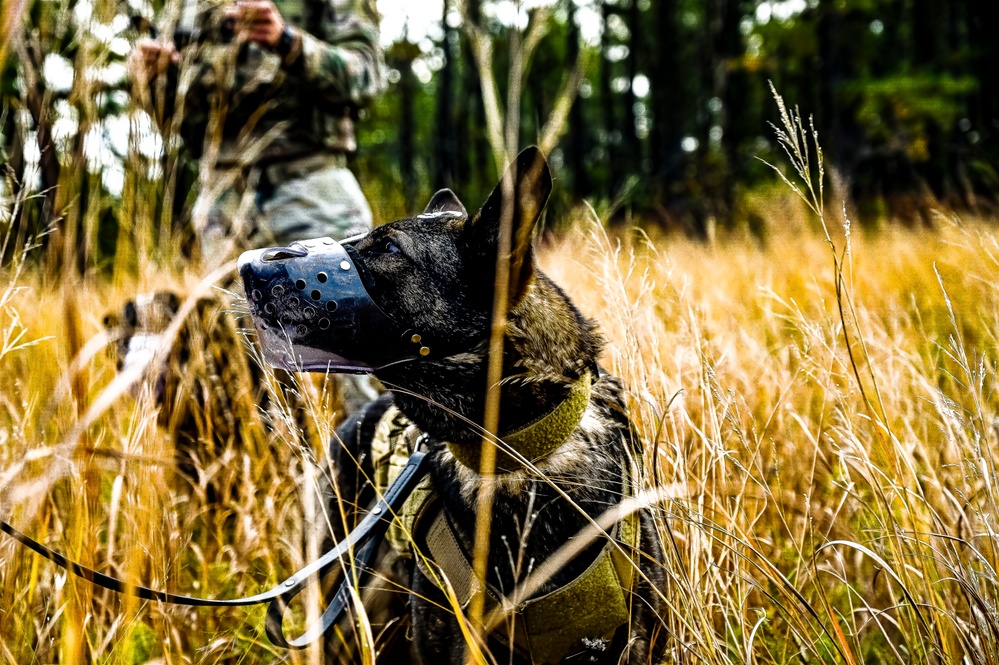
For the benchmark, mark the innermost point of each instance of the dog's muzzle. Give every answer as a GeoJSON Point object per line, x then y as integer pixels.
{"type": "Point", "coordinates": [313, 313]}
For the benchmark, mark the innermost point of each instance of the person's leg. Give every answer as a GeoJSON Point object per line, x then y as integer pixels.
{"type": "Point", "coordinates": [225, 216]}
{"type": "Point", "coordinates": [326, 202]}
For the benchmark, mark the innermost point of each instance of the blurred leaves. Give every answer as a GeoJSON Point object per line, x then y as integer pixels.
{"type": "Point", "coordinates": [899, 111]}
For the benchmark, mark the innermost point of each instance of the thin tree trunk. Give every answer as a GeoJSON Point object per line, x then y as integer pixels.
{"type": "Point", "coordinates": [407, 120]}
{"type": "Point", "coordinates": [630, 140]}
{"type": "Point", "coordinates": [577, 139]}
{"type": "Point", "coordinates": [929, 23]}
{"type": "Point", "coordinates": [607, 104]}
{"type": "Point", "coordinates": [669, 101]}
{"type": "Point", "coordinates": [445, 142]}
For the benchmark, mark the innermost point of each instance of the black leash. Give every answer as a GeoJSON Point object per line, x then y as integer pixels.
{"type": "Point", "coordinates": [367, 537]}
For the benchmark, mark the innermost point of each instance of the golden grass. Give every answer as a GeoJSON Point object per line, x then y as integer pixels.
{"type": "Point", "coordinates": [803, 522]}
{"type": "Point", "coordinates": [804, 519]}
{"type": "Point", "coordinates": [819, 413]}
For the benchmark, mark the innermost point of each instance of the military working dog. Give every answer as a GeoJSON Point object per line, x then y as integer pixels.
{"type": "Point", "coordinates": [570, 451]}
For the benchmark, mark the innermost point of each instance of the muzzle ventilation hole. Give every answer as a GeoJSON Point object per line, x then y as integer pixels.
{"type": "Point", "coordinates": [322, 277]}
{"type": "Point", "coordinates": [331, 306]}
{"type": "Point", "coordinates": [324, 323]}
{"type": "Point", "coordinates": [300, 284]}
{"type": "Point", "coordinates": [316, 295]}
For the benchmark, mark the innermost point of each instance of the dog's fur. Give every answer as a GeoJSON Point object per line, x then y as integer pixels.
{"type": "Point", "coordinates": [435, 273]}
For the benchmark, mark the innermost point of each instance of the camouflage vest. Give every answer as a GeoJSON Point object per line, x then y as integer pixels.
{"type": "Point", "coordinates": [267, 112]}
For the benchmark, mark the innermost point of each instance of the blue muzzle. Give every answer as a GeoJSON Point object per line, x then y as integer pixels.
{"type": "Point", "coordinates": [313, 312]}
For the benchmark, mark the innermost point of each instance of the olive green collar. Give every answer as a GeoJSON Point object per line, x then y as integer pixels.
{"type": "Point", "coordinates": [537, 439]}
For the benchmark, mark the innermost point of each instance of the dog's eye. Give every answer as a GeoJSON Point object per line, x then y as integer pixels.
{"type": "Point", "coordinates": [387, 246]}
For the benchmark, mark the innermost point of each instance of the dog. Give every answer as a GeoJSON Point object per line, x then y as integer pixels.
{"type": "Point", "coordinates": [210, 393]}
{"type": "Point", "coordinates": [435, 273]}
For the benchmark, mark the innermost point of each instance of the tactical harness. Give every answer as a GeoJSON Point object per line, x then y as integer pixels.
{"type": "Point", "coordinates": [549, 627]}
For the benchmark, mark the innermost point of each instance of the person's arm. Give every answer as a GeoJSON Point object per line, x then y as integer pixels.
{"type": "Point", "coordinates": [149, 60]}
{"type": "Point", "coordinates": [348, 66]}
{"type": "Point", "coordinates": [345, 65]}
{"type": "Point", "coordinates": [154, 68]}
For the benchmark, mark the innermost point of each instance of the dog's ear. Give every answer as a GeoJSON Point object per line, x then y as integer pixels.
{"type": "Point", "coordinates": [445, 201]}
{"type": "Point", "coordinates": [529, 180]}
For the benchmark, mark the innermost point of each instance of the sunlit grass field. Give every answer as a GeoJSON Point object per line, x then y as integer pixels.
{"type": "Point", "coordinates": [826, 463]}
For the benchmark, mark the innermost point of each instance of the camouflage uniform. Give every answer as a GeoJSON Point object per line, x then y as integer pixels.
{"type": "Point", "coordinates": [279, 172]}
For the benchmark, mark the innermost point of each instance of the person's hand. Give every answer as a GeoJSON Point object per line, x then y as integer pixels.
{"type": "Point", "coordinates": [150, 58]}
{"type": "Point", "coordinates": [258, 20]}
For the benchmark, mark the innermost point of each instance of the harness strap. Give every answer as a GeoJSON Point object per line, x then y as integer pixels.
{"type": "Point", "coordinates": [367, 537]}
{"type": "Point", "coordinates": [550, 627]}
{"type": "Point", "coordinates": [447, 553]}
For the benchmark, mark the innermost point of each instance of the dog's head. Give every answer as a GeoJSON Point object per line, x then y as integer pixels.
{"type": "Point", "coordinates": [136, 333]}
{"type": "Point", "coordinates": [136, 328]}
{"type": "Point", "coordinates": [420, 287]}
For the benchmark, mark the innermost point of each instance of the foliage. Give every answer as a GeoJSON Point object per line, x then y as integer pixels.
{"type": "Point", "coordinates": [670, 118]}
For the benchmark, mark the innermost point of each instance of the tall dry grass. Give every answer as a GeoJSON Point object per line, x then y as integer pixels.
{"type": "Point", "coordinates": [818, 409]}
{"type": "Point", "coordinates": [805, 521]}
{"type": "Point", "coordinates": [809, 516]}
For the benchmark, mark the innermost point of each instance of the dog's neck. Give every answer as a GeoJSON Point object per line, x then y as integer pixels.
{"type": "Point", "coordinates": [548, 346]}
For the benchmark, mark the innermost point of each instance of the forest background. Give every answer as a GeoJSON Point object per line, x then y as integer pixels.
{"type": "Point", "coordinates": [662, 108]}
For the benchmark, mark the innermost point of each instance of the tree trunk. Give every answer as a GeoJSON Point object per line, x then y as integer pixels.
{"type": "Point", "coordinates": [929, 24]}
{"type": "Point", "coordinates": [576, 140]}
{"type": "Point", "coordinates": [405, 53]}
{"type": "Point", "coordinates": [445, 142]}
{"type": "Point", "coordinates": [830, 117]}
{"type": "Point", "coordinates": [731, 90]}
{"type": "Point", "coordinates": [607, 105]}
{"type": "Point", "coordinates": [982, 20]}
{"type": "Point", "coordinates": [630, 140]}
{"type": "Point", "coordinates": [478, 173]}
{"type": "Point", "coordinates": [668, 98]}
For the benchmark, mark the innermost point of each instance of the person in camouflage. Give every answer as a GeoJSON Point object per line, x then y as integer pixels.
{"type": "Point", "coordinates": [270, 95]}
